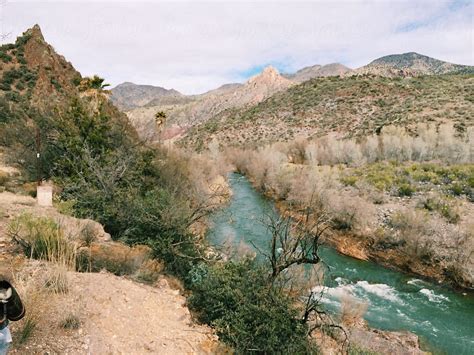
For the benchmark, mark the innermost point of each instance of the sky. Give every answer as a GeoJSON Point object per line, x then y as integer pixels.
{"type": "Point", "coordinates": [197, 46]}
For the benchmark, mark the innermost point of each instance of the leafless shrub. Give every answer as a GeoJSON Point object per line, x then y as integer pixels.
{"type": "Point", "coordinates": [352, 309]}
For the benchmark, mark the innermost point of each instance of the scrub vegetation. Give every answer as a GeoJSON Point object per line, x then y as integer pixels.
{"type": "Point", "coordinates": [400, 193]}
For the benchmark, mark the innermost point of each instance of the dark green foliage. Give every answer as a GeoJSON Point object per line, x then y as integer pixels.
{"type": "Point", "coordinates": [238, 299]}
{"type": "Point", "coordinates": [4, 57]}
{"type": "Point", "coordinates": [76, 80]}
{"type": "Point", "coordinates": [21, 76]}
{"type": "Point", "coordinates": [443, 207]}
{"type": "Point", "coordinates": [140, 195]}
{"type": "Point", "coordinates": [21, 40]}
{"type": "Point", "coordinates": [56, 84]}
{"type": "Point", "coordinates": [405, 190]}
{"type": "Point", "coordinates": [94, 82]}
{"type": "Point", "coordinates": [12, 96]}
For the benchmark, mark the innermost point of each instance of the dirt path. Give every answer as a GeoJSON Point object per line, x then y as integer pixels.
{"type": "Point", "coordinates": [123, 317]}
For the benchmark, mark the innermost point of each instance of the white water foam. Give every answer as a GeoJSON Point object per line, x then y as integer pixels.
{"type": "Point", "coordinates": [415, 282]}
{"type": "Point", "coordinates": [332, 295]}
{"type": "Point", "coordinates": [432, 296]}
{"type": "Point", "coordinates": [380, 290]}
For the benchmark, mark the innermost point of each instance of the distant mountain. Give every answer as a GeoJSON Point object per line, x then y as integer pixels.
{"type": "Point", "coordinates": [226, 88]}
{"type": "Point", "coordinates": [129, 95]}
{"type": "Point", "coordinates": [200, 108]}
{"type": "Point", "coordinates": [207, 111]}
{"type": "Point", "coordinates": [412, 64]}
{"type": "Point", "coordinates": [315, 71]}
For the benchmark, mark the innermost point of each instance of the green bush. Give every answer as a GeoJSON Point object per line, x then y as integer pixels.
{"type": "Point", "coordinates": [405, 190]}
{"type": "Point", "coordinates": [42, 238]}
{"type": "Point", "coordinates": [4, 57]}
{"type": "Point", "coordinates": [443, 207]}
{"type": "Point", "coordinates": [247, 313]}
{"type": "Point", "coordinates": [456, 189]}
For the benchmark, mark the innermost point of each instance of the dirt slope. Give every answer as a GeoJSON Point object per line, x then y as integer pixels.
{"type": "Point", "coordinates": [124, 317]}
{"type": "Point", "coordinates": [117, 315]}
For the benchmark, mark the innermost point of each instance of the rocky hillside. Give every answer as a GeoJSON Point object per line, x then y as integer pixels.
{"type": "Point", "coordinates": [209, 112]}
{"type": "Point", "coordinates": [412, 64]}
{"type": "Point", "coordinates": [35, 80]}
{"type": "Point", "coordinates": [315, 71]}
{"type": "Point", "coordinates": [203, 107]}
{"type": "Point", "coordinates": [31, 69]}
{"type": "Point", "coordinates": [349, 106]}
{"type": "Point", "coordinates": [129, 95]}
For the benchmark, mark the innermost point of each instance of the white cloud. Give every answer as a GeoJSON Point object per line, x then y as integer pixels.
{"type": "Point", "coordinates": [194, 47]}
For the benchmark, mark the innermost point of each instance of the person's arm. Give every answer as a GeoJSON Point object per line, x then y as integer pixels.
{"type": "Point", "coordinates": [15, 308]}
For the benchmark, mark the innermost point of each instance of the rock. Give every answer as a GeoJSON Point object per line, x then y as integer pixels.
{"type": "Point", "coordinates": [385, 342]}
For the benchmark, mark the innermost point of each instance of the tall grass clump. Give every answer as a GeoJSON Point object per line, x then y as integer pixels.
{"type": "Point", "coordinates": [42, 238]}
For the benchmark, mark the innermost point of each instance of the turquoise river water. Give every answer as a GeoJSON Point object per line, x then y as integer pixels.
{"type": "Point", "coordinates": [442, 318]}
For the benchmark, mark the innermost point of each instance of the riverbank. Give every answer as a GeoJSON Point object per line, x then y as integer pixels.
{"type": "Point", "coordinates": [368, 248]}
{"type": "Point", "coordinates": [415, 217]}
{"type": "Point", "coordinates": [395, 301]}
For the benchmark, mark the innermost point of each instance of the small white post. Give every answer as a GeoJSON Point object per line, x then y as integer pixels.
{"type": "Point", "coordinates": [44, 194]}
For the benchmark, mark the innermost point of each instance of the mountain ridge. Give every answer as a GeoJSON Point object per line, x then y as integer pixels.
{"type": "Point", "coordinates": [412, 64]}
{"type": "Point", "coordinates": [192, 110]}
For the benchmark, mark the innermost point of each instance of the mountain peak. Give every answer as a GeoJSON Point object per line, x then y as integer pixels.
{"type": "Point", "coordinates": [268, 75]}
{"type": "Point", "coordinates": [269, 70]}
{"type": "Point", "coordinates": [35, 32]}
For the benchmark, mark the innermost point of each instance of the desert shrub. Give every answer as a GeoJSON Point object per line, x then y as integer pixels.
{"type": "Point", "coordinates": [405, 190]}
{"type": "Point", "coordinates": [56, 279]}
{"type": "Point", "coordinates": [352, 309]}
{"type": "Point", "coordinates": [34, 297]}
{"type": "Point", "coordinates": [344, 219]}
{"type": "Point", "coordinates": [149, 271]}
{"type": "Point", "coordinates": [88, 234]}
{"type": "Point", "coordinates": [42, 238]}
{"type": "Point", "coordinates": [5, 57]}
{"type": "Point", "coordinates": [117, 258]}
{"type": "Point", "coordinates": [71, 321]}
{"type": "Point", "coordinates": [4, 177]}
{"type": "Point", "coordinates": [442, 206]}
{"type": "Point", "coordinates": [245, 310]}
{"type": "Point", "coordinates": [456, 189]}
{"type": "Point", "coordinates": [414, 229]}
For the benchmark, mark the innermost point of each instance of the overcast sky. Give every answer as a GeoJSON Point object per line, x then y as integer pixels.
{"type": "Point", "coordinates": [197, 46]}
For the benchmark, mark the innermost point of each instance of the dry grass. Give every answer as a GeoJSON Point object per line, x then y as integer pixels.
{"type": "Point", "coordinates": [42, 238]}
{"type": "Point", "coordinates": [34, 296]}
{"type": "Point", "coordinates": [120, 259]}
{"type": "Point", "coordinates": [352, 309]}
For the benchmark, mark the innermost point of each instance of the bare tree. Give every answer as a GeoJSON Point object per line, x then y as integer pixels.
{"type": "Point", "coordinates": [296, 265]}
{"type": "Point", "coordinates": [295, 241]}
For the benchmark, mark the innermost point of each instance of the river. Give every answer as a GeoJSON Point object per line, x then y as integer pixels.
{"type": "Point", "coordinates": [442, 318]}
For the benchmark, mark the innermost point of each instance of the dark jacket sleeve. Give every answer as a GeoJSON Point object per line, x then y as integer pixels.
{"type": "Point", "coordinates": [15, 308]}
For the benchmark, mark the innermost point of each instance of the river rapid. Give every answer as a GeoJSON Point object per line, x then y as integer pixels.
{"type": "Point", "coordinates": [442, 318]}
